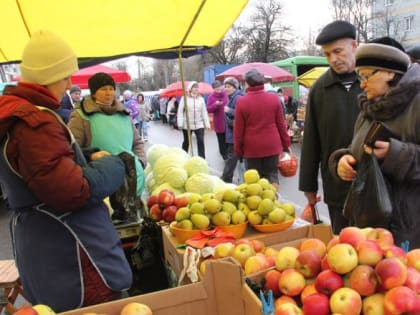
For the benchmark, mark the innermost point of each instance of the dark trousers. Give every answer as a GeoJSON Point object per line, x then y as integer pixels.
{"type": "Point", "coordinates": [199, 134]}
{"type": "Point", "coordinates": [338, 221]}
{"type": "Point", "coordinates": [266, 167]}
{"type": "Point", "coordinates": [222, 144]}
{"type": "Point", "coordinates": [230, 165]}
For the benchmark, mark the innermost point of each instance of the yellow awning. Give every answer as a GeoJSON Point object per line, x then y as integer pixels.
{"type": "Point", "coordinates": [309, 77]}
{"type": "Point", "coordinates": [115, 28]}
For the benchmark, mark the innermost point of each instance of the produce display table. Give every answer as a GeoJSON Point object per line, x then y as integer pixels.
{"type": "Point", "coordinates": [10, 286]}
{"type": "Point", "coordinates": [300, 229]}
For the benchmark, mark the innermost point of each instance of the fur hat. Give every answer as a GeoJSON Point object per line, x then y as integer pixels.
{"type": "Point", "coordinates": [253, 77]}
{"type": "Point", "coordinates": [336, 30]}
{"type": "Point", "coordinates": [414, 53]}
{"type": "Point", "coordinates": [191, 85]}
{"type": "Point", "coordinates": [47, 59]}
{"type": "Point", "coordinates": [75, 88]}
{"type": "Point", "coordinates": [99, 80]}
{"type": "Point", "coordinates": [216, 84]}
{"type": "Point", "coordinates": [231, 81]}
{"type": "Point", "coordinates": [382, 56]}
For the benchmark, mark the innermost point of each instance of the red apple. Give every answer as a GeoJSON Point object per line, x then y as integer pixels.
{"type": "Point", "coordinates": [401, 300]}
{"type": "Point", "coordinates": [382, 237]}
{"type": "Point", "coordinates": [314, 244]}
{"type": "Point", "coordinates": [335, 240]}
{"type": "Point", "coordinates": [413, 279]}
{"type": "Point", "coordinates": [168, 214]}
{"type": "Point", "coordinates": [272, 281]}
{"type": "Point", "coordinates": [258, 246]}
{"type": "Point", "coordinates": [398, 252]}
{"type": "Point", "coordinates": [242, 252]}
{"type": "Point", "coordinates": [324, 263]}
{"type": "Point", "coordinates": [391, 272]}
{"type": "Point", "coordinates": [316, 304]}
{"type": "Point", "coordinates": [413, 258]}
{"type": "Point", "coordinates": [288, 309]}
{"type": "Point", "coordinates": [328, 281]}
{"type": "Point", "coordinates": [243, 241]}
{"type": "Point", "coordinates": [282, 300]}
{"type": "Point", "coordinates": [286, 258]}
{"type": "Point", "coordinates": [152, 200]}
{"type": "Point", "coordinates": [363, 280]}
{"type": "Point", "coordinates": [308, 263]}
{"type": "Point", "coordinates": [166, 198]}
{"type": "Point", "coordinates": [291, 282]}
{"type": "Point", "coordinates": [181, 201]}
{"type": "Point", "coordinates": [346, 301]}
{"type": "Point", "coordinates": [342, 258]}
{"type": "Point", "coordinates": [155, 213]}
{"type": "Point", "coordinates": [255, 263]}
{"type": "Point", "coordinates": [26, 310]}
{"type": "Point", "coordinates": [308, 290]}
{"type": "Point", "coordinates": [352, 235]}
{"type": "Point", "coordinates": [369, 253]}
{"type": "Point", "coordinates": [373, 304]}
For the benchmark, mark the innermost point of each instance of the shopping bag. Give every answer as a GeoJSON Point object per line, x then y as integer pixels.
{"type": "Point", "coordinates": [368, 201]}
{"type": "Point", "coordinates": [147, 260]}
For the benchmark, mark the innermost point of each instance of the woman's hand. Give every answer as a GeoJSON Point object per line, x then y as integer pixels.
{"type": "Point", "coordinates": [345, 168]}
{"type": "Point", "coordinates": [98, 155]}
{"type": "Point", "coordinates": [380, 149]}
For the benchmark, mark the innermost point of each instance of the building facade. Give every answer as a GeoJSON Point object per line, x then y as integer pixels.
{"type": "Point", "coordinates": [399, 19]}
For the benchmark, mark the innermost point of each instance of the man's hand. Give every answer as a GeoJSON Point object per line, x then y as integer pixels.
{"type": "Point", "coordinates": [312, 198]}
{"type": "Point", "coordinates": [380, 150]}
{"type": "Point", "coordinates": [345, 168]}
{"type": "Point", "coordinates": [98, 155]}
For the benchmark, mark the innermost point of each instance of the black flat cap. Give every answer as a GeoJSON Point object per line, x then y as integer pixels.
{"type": "Point", "coordinates": [336, 30]}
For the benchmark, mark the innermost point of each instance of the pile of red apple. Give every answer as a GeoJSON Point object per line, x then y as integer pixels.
{"type": "Point", "coordinates": [360, 271]}
{"type": "Point", "coordinates": [164, 205]}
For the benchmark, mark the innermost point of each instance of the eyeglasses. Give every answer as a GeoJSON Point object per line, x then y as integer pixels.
{"type": "Point", "coordinates": [364, 78]}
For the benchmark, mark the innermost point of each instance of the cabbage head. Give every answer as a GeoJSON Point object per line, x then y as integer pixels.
{"type": "Point", "coordinates": [195, 165]}
{"type": "Point", "coordinates": [155, 152]}
{"type": "Point", "coordinates": [175, 176]}
{"type": "Point", "coordinates": [148, 169]}
{"type": "Point", "coordinates": [199, 183]}
{"type": "Point", "coordinates": [218, 184]}
{"type": "Point", "coordinates": [165, 163]}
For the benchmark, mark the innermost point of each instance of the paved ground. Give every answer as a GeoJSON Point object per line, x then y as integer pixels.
{"type": "Point", "coordinates": [159, 133]}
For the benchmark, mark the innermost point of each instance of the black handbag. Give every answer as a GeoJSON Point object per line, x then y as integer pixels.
{"type": "Point", "coordinates": [368, 202]}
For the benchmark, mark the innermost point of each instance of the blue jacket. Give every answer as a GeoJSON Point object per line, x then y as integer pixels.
{"type": "Point", "coordinates": [231, 114]}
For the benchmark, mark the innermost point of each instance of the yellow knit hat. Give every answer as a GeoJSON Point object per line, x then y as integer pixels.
{"type": "Point", "coordinates": [47, 59]}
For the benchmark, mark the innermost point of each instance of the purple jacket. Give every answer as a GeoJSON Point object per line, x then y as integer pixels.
{"type": "Point", "coordinates": [217, 110]}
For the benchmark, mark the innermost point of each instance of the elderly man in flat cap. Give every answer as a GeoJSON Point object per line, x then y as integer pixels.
{"type": "Point", "coordinates": [330, 116]}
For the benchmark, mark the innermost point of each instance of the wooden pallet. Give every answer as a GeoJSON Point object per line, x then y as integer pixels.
{"type": "Point", "coordinates": [10, 286]}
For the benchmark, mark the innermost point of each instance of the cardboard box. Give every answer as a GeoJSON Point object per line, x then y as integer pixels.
{"type": "Point", "coordinates": [174, 256]}
{"type": "Point", "coordinates": [222, 292]}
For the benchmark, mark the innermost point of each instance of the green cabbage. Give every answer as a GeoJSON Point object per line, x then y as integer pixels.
{"type": "Point", "coordinates": [195, 165]}
{"type": "Point", "coordinates": [199, 183]}
{"type": "Point", "coordinates": [165, 163]}
{"type": "Point", "coordinates": [175, 176]}
{"type": "Point", "coordinates": [155, 152]}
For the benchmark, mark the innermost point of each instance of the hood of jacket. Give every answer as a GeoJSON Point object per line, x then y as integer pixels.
{"type": "Point", "coordinates": [18, 102]}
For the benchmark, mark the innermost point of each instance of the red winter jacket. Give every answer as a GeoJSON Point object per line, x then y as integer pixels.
{"type": "Point", "coordinates": [260, 128]}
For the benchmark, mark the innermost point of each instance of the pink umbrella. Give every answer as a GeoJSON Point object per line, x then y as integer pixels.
{"type": "Point", "coordinates": [82, 76]}
{"type": "Point", "coordinates": [271, 73]}
{"type": "Point", "coordinates": [175, 89]}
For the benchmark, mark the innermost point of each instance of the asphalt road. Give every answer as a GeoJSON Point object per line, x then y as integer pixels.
{"type": "Point", "coordinates": [159, 133]}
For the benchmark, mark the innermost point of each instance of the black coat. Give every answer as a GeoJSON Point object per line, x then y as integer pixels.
{"type": "Point", "coordinates": [330, 116]}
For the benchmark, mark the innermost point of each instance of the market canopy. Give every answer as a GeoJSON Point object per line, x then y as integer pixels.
{"type": "Point", "coordinates": [309, 77]}
{"type": "Point", "coordinates": [100, 30]}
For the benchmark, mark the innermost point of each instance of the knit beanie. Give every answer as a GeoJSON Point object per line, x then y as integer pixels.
{"type": "Point", "coordinates": [47, 59]}
{"type": "Point", "coordinates": [381, 56]}
{"type": "Point", "coordinates": [253, 77]}
{"type": "Point", "coordinates": [231, 81]}
{"type": "Point", "coordinates": [75, 88]}
{"type": "Point", "coordinates": [216, 84]}
{"type": "Point", "coordinates": [99, 80]}
{"type": "Point", "coordinates": [191, 85]}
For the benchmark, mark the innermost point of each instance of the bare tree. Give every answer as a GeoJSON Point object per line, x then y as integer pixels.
{"type": "Point", "coordinates": [388, 23]}
{"type": "Point", "coordinates": [267, 36]}
{"type": "Point", "coordinates": [357, 12]}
